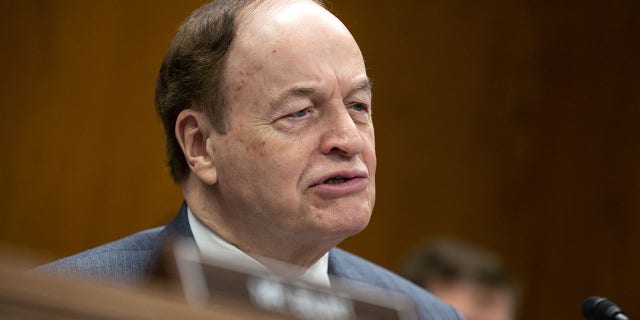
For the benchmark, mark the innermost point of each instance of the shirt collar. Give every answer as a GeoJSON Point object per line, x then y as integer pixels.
{"type": "Point", "coordinates": [209, 241]}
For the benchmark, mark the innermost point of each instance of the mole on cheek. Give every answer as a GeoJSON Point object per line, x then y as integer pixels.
{"type": "Point", "coordinates": [257, 146]}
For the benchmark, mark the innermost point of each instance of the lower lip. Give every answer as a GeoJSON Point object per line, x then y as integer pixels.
{"type": "Point", "coordinates": [341, 189]}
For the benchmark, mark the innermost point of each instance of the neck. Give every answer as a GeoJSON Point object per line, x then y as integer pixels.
{"type": "Point", "coordinates": [259, 242]}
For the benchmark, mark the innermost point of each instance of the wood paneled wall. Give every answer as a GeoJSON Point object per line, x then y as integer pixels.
{"type": "Point", "coordinates": [510, 124]}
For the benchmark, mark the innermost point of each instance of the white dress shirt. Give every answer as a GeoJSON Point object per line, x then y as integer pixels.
{"type": "Point", "coordinates": [209, 241]}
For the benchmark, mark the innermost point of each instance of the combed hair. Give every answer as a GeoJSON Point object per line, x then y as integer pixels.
{"type": "Point", "coordinates": [191, 74]}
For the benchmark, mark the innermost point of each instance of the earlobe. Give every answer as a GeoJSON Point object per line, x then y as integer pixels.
{"type": "Point", "coordinates": [194, 133]}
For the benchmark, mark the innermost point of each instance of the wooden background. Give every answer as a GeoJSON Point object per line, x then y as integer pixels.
{"type": "Point", "coordinates": [511, 124]}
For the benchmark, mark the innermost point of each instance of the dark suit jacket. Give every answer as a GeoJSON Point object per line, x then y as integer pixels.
{"type": "Point", "coordinates": [129, 261]}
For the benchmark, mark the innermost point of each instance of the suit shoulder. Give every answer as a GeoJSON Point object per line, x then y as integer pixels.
{"type": "Point", "coordinates": [125, 260]}
{"type": "Point", "coordinates": [354, 268]}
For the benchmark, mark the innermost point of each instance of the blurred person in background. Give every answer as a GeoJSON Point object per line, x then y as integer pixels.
{"type": "Point", "coordinates": [470, 278]}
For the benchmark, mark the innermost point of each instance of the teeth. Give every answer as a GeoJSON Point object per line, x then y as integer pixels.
{"type": "Point", "coordinates": [335, 180]}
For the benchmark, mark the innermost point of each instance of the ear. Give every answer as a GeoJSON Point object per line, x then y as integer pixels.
{"type": "Point", "coordinates": [194, 133]}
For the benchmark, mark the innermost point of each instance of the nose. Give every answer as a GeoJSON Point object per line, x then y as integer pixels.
{"type": "Point", "coordinates": [341, 135]}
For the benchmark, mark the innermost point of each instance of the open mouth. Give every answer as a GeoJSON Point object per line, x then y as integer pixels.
{"type": "Point", "coordinates": [339, 184]}
{"type": "Point", "coordinates": [336, 180]}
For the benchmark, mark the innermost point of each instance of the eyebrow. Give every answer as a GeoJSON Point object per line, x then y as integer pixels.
{"type": "Point", "coordinates": [306, 91]}
{"type": "Point", "coordinates": [300, 91]}
{"type": "Point", "coordinates": [365, 84]}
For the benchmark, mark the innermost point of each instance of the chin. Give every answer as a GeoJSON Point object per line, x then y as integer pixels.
{"type": "Point", "coordinates": [338, 221]}
{"type": "Point", "coordinates": [352, 225]}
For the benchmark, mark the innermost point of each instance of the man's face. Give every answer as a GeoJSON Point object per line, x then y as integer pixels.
{"type": "Point", "coordinates": [299, 159]}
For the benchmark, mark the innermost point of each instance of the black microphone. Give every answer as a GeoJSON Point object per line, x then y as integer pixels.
{"type": "Point", "coordinates": [598, 308]}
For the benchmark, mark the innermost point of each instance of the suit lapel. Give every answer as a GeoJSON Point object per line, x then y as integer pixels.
{"type": "Point", "coordinates": [160, 257]}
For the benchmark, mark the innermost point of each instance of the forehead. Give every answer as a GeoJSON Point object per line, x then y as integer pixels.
{"type": "Point", "coordinates": [294, 32]}
{"type": "Point", "coordinates": [264, 14]}
{"type": "Point", "coordinates": [286, 43]}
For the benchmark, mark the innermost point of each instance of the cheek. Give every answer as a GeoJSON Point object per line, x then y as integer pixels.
{"type": "Point", "coordinates": [237, 155]}
{"type": "Point", "coordinates": [277, 159]}
{"type": "Point", "coordinates": [256, 149]}
{"type": "Point", "coordinates": [369, 152]}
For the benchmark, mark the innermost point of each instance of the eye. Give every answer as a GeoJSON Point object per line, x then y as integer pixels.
{"type": "Point", "coordinates": [300, 113]}
{"type": "Point", "coordinates": [359, 107]}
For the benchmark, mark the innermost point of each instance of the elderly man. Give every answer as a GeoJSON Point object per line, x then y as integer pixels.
{"type": "Point", "coordinates": [267, 111]}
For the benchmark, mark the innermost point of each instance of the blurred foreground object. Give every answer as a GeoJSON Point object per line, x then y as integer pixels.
{"type": "Point", "coordinates": [598, 308]}
{"type": "Point", "coordinates": [190, 286]}
{"type": "Point", "coordinates": [205, 278]}
{"type": "Point", "coordinates": [471, 279]}
{"type": "Point", "coordinates": [37, 296]}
